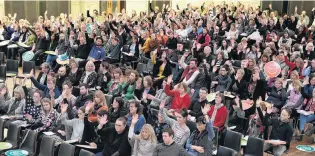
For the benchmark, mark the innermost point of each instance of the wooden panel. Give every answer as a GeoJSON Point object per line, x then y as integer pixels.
{"type": "Point", "coordinates": [32, 11]}
{"type": "Point", "coordinates": [301, 5]}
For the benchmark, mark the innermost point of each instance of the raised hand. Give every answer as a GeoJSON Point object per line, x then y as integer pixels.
{"type": "Point", "coordinates": [162, 104]}
{"type": "Point", "coordinates": [63, 108]}
{"type": "Point", "coordinates": [169, 79]}
{"type": "Point", "coordinates": [205, 109]}
{"type": "Point", "coordinates": [89, 106]}
{"type": "Point", "coordinates": [103, 120]}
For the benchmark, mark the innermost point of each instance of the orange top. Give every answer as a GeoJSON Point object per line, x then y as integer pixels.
{"type": "Point", "coordinates": [93, 117]}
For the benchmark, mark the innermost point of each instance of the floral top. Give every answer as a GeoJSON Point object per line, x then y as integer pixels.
{"type": "Point", "coordinates": [47, 120]}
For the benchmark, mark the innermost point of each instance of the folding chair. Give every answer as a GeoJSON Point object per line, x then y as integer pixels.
{"type": "Point", "coordinates": [12, 69]}
{"type": "Point", "coordinates": [47, 147]}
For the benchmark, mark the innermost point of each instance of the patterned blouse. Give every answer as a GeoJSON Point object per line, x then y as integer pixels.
{"type": "Point", "coordinates": [47, 120]}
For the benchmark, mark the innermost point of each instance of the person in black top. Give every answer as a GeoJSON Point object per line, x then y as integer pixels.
{"type": "Point", "coordinates": [281, 131]}
{"type": "Point", "coordinates": [41, 42]}
{"type": "Point", "coordinates": [117, 110]}
{"type": "Point", "coordinates": [84, 96]}
{"type": "Point", "coordinates": [116, 142]}
{"type": "Point", "coordinates": [196, 105]}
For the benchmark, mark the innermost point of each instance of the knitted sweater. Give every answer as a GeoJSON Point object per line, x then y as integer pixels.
{"type": "Point", "coordinates": [181, 134]}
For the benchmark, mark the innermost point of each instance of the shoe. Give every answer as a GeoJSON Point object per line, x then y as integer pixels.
{"type": "Point", "coordinates": [310, 130]}
{"type": "Point", "coordinates": [299, 137]}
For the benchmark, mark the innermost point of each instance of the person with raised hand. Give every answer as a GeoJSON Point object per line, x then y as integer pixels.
{"type": "Point", "coordinates": [182, 131]}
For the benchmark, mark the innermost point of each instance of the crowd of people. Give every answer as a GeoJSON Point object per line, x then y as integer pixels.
{"type": "Point", "coordinates": [163, 83]}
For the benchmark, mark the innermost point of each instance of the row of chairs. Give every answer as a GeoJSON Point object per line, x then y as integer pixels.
{"type": "Point", "coordinates": [232, 145]}
{"type": "Point", "coordinates": [29, 142]}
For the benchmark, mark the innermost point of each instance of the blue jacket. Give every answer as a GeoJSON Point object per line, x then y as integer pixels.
{"type": "Point", "coordinates": [97, 53]}
{"type": "Point", "coordinates": [138, 126]}
{"type": "Point", "coordinates": [45, 89]}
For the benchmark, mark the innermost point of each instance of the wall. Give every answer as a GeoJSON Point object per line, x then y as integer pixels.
{"type": "Point", "coordinates": [138, 5]}
{"type": "Point", "coordinates": [2, 13]}
{"type": "Point", "coordinates": [78, 7]}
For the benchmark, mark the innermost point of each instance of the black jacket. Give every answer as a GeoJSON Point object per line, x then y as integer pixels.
{"type": "Point", "coordinates": [167, 69]}
{"type": "Point", "coordinates": [115, 142]}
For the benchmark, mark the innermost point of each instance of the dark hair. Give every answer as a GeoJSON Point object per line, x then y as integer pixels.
{"type": "Point", "coordinates": [194, 59]}
{"type": "Point", "coordinates": [137, 105]}
{"type": "Point", "coordinates": [39, 92]}
{"type": "Point", "coordinates": [68, 83]}
{"type": "Point", "coordinates": [183, 112]}
{"type": "Point", "coordinates": [123, 120]}
{"type": "Point", "coordinates": [102, 112]}
{"type": "Point", "coordinates": [120, 101]}
{"type": "Point", "coordinates": [201, 119]}
{"type": "Point", "coordinates": [169, 131]}
{"type": "Point", "coordinates": [105, 65]}
{"type": "Point", "coordinates": [288, 110]}
{"type": "Point", "coordinates": [99, 38]}
{"type": "Point", "coordinates": [84, 85]}
{"type": "Point", "coordinates": [204, 88]}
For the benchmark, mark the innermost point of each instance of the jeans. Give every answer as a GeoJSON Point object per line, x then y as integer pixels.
{"type": "Point", "coordinates": [276, 150]}
{"type": "Point", "coordinates": [99, 154]}
{"type": "Point", "coordinates": [50, 59]}
{"type": "Point", "coordinates": [305, 119]}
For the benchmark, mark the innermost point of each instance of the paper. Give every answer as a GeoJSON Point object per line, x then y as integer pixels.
{"type": "Point", "coordinates": [49, 133]}
{"type": "Point", "coordinates": [232, 127]}
{"type": "Point", "coordinates": [50, 52]}
{"type": "Point", "coordinates": [67, 142]}
{"type": "Point", "coordinates": [4, 117]}
{"type": "Point", "coordinates": [304, 112]}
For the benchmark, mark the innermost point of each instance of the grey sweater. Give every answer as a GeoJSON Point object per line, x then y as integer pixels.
{"type": "Point", "coordinates": [76, 124]}
{"type": "Point", "coordinates": [170, 150]}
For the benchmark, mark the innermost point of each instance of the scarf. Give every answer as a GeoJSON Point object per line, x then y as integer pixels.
{"type": "Point", "coordinates": [216, 107]}
{"type": "Point", "coordinates": [87, 74]}
{"type": "Point", "coordinates": [188, 73]}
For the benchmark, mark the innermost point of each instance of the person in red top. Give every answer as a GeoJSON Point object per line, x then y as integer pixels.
{"type": "Point", "coordinates": [218, 112]}
{"type": "Point", "coordinates": [181, 99]}
{"type": "Point", "coordinates": [297, 65]}
{"type": "Point", "coordinates": [204, 38]}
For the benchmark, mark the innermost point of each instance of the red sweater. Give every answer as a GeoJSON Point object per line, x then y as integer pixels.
{"type": "Point", "coordinates": [292, 66]}
{"type": "Point", "coordinates": [220, 117]}
{"type": "Point", "coordinates": [177, 102]}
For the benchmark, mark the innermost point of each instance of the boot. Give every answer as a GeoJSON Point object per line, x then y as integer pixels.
{"type": "Point", "coordinates": [310, 130]}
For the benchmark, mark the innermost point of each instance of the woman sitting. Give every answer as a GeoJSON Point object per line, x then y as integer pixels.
{"type": "Point", "coordinates": [309, 115]}
{"type": "Point", "coordinates": [74, 73]}
{"type": "Point", "coordinates": [144, 143]}
{"type": "Point", "coordinates": [47, 117]}
{"type": "Point", "coordinates": [277, 95]}
{"type": "Point", "coordinates": [178, 125]}
{"type": "Point", "coordinates": [114, 86]}
{"type": "Point", "coordinates": [117, 110]}
{"type": "Point", "coordinates": [135, 111]}
{"type": "Point", "coordinates": [103, 76]}
{"type": "Point", "coordinates": [66, 94]}
{"type": "Point", "coordinates": [161, 69]}
{"type": "Point", "coordinates": [89, 76]}
{"type": "Point", "coordinates": [128, 88]}
{"type": "Point", "coordinates": [181, 98]}
{"type": "Point", "coordinates": [99, 103]}
{"type": "Point", "coordinates": [218, 112]}
{"type": "Point", "coordinates": [77, 124]}
{"type": "Point", "coordinates": [13, 108]}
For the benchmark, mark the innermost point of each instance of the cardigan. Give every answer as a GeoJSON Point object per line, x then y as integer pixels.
{"type": "Point", "coordinates": [220, 117]}
{"type": "Point", "coordinates": [91, 80]}
{"type": "Point", "coordinates": [178, 102]}
{"type": "Point", "coordinates": [138, 126]}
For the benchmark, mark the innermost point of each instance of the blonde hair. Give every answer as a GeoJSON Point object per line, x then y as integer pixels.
{"type": "Point", "coordinates": [46, 100]}
{"type": "Point", "coordinates": [89, 63]}
{"type": "Point", "coordinates": [100, 95]}
{"type": "Point", "coordinates": [150, 131]}
{"type": "Point", "coordinates": [20, 90]}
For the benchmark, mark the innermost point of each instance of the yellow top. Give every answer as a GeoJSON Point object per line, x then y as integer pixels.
{"type": "Point", "coordinates": [161, 70]}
